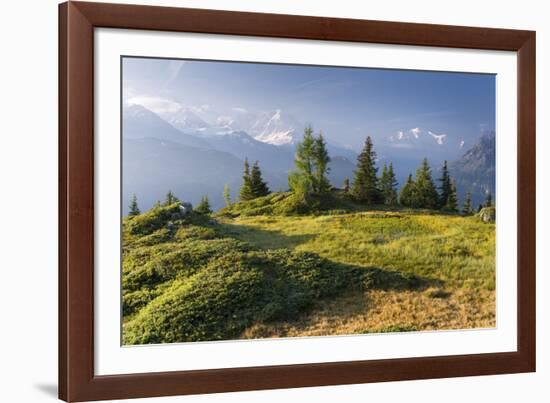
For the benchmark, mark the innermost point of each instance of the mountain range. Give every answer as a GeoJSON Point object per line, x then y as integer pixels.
{"type": "Point", "coordinates": [195, 153]}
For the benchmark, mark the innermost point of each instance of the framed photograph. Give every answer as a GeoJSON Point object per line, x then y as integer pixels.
{"type": "Point", "coordinates": [257, 201]}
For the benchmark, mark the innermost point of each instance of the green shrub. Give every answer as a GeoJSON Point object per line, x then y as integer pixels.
{"type": "Point", "coordinates": [236, 290]}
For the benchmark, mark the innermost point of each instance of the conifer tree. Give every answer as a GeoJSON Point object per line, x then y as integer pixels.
{"type": "Point", "coordinates": [488, 200]}
{"type": "Point", "coordinates": [245, 192]}
{"type": "Point", "coordinates": [426, 192]}
{"type": "Point", "coordinates": [346, 185]}
{"type": "Point", "coordinates": [452, 202]}
{"type": "Point", "coordinates": [321, 184]}
{"type": "Point", "coordinates": [445, 185]}
{"type": "Point", "coordinates": [257, 185]}
{"type": "Point", "coordinates": [204, 206]}
{"type": "Point", "coordinates": [157, 204]}
{"type": "Point", "coordinates": [388, 185]}
{"type": "Point", "coordinates": [170, 198]}
{"type": "Point", "coordinates": [479, 208]}
{"type": "Point", "coordinates": [302, 179]}
{"type": "Point", "coordinates": [227, 195]}
{"type": "Point", "coordinates": [133, 208]}
{"type": "Point", "coordinates": [467, 206]}
{"type": "Point", "coordinates": [382, 181]}
{"type": "Point", "coordinates": [407, 197]}
{"type": "Point", "coordinates": [365, 183]}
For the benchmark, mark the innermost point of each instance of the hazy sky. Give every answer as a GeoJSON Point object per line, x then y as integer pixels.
{"type": "Point", "coordinates": [345, 103]}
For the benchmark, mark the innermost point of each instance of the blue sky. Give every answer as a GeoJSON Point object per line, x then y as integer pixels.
{"type": "Point", "coordinates": [345, 103]}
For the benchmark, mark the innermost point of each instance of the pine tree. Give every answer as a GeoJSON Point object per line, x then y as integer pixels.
{"type": "Point", "coordinates": [321, 184]}
{"type": "Point", "coordinates": [227, 195]}
{"type": "Point", "coordinates": [452, 202]}
{"type": "Point", "coordinates": [479, 208]}
{"type": "Point", "coordinates": [488, 200]}
{"type": "Point", "coordinates": [170, 198]}
{"type": "Point", "coordinates": [427, 196]}
{"type": "Point", "coordinates": [257, 185]}
{"type": "Point", "coordinates": [445, 186]}
{"type": "Point", "coordinates": [388, 185]}
{"type": "Point", "coordinates": [245, 192]}
{"type": "Point", "coordinates": [346, 185]}
{"type": "Point", "coordinates": [407, 197]}
{"type": "Point", "coordinates": [365, 183]}
{"type": "Point", "coordinates": [157, 205]}
{"type": "Point", "coordinates": [383, 181]}
{"type": "Point", "coordinates": [301, 180]}
{"type": "Point", "coordinates": [467, 206]}
{"type": "Point", "coordinates": [133, 208]}
{"type": "Point", "coordinates": [204, 206]}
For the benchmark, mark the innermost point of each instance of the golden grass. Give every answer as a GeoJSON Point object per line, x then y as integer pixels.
{"type": "Point", "coordinates": [383, 311]}
{"type": "Point", "coordinates": [455, 254]}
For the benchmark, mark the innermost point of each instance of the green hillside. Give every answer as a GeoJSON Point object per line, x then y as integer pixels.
{"type": "Point", "coordinates": [281, 266]}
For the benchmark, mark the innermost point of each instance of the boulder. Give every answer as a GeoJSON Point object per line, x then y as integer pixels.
{"type": "Point", "coordinates": [487, 214]}
{"type": "Point", "coordinates": [186, 208]}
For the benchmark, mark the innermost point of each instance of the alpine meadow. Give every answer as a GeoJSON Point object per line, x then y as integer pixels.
{"type": "Point", "coordinates": [271, 200]}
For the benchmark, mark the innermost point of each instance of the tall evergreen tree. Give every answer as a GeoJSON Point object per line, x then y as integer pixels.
{"type": "Point", "coordinates": [365, 183]}
{"type": "Point", "coordinates": [488, 200]}
{"type": "Point", "coordinates": [204, 206]}
{"type": "Point", "coordinates": [452, 201]}
{"type": "Point", "coordinates": [133, 208]}
{"type": "Point", "coordinates": [302, 180]}
{"type": "Point", "coordinates": [227, 195]}
{"type": "Point", "coordinates": [170, 198]}
{"type": "Point", "coordinates": [321, 184]}
{"type": "Point", "coordinates": [245, 192]}
{"type": "Point", "coordinates": [426, 193]}
{"type": "Point", "coordinates": [388, 185]}
{"type": "Point", "coordinates": [445, 185]}
{"type": "Point", "coordinates": [257, 185]}
{"type": "Point", "coordinates": [467, 206]}
{"type": "Point", "coordinates": [346, 185]}
{"type": "Point", "coordinates": [407, 197]}
{"type": "Point", "coordinates": [382, 181]}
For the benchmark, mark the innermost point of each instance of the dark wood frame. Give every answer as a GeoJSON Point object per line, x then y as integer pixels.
{"type": "Point", "coordinates": [77, 381]}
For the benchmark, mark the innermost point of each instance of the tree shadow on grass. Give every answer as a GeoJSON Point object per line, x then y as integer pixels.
{"type": "Point", "coordinates": [262, 238]}
{"type": "Point", "coordinates": [374, 277]}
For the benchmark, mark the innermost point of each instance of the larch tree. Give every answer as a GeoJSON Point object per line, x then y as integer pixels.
{"type": "Point", "coordinates": [321, 159]}
{"type": "Point", "coordinates": [133, 209]}
{"type": "Point", "coordinates": [302, 180]}
{"type": "Point", "coordinates": [365, 182]}
{"type": "Point", "coordinates": [227, 195]}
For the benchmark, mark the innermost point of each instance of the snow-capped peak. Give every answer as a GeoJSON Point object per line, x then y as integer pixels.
{"type": "Point", "coordinates": [277, 129]}
{"type": "Point", "coordinates": [438, 137]}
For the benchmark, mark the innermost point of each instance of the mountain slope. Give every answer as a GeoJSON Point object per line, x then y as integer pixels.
{"type": "Point", "coordinates": [475, 170]}
{"type": "Point", "coordinates": [242, 145]}
{"type": "Point", "coordinates": [151, 167]}
{"type": "Point", "coordinates": [140, 122]}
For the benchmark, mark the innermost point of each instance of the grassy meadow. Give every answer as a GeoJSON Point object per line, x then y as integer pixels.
{"type": "Point", "coordinates": [278, 267]}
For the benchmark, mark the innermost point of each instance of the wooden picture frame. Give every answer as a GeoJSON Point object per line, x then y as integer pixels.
{"type": "Point", "coordinates": [77, 381]}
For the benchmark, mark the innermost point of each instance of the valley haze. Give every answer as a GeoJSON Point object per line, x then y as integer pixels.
{"type": "Point", "coordinates": [179, 115]}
